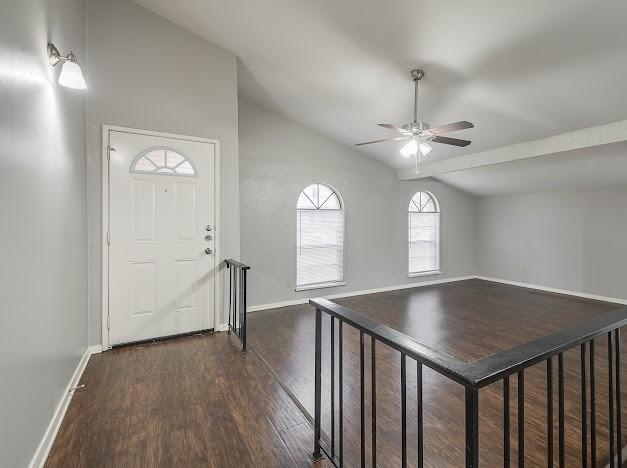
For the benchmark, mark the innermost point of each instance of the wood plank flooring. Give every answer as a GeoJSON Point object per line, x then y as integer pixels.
{"type": "Point", "coordinates": [469, 319]}
{"type": "Point", "coordinates": [191, 402]}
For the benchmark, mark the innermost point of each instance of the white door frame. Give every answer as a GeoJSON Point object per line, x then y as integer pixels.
{"type": "Point", "coordinates": [106, 216]}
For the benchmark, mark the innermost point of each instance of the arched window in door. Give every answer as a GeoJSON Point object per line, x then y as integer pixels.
{"type": "Point", "coordinates": [163, 161]}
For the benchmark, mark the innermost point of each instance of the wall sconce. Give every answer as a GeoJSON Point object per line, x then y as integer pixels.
{"type": "Point", "coordinates": [71, 74]}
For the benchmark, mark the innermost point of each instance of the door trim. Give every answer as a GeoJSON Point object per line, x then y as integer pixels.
{"type": "Point", "coordinates": [106, 217]}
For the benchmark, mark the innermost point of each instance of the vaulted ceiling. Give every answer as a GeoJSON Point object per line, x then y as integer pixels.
{"type": "Point", "coordinates": [519, 71]}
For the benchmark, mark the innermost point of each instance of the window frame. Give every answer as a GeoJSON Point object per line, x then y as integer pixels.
{"type": "Point", "coordinates": [342, 209]}
{"type": "Point", "coordinates": [438, 211]}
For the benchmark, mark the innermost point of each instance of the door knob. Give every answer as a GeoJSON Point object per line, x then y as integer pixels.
{"type": "Point", "coordinates": [208, 251]}
{"type": "Point", "coordinates": [208, 237]}
{"type": "Point", "coordinates": [209, 228]}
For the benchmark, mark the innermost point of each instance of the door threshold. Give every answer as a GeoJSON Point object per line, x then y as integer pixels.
{"type": "Point", "coordinates": [163, 338]}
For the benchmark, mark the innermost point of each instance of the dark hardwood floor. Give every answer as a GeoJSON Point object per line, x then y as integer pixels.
{"type": "Point", "coordinates": [191, 402]}
{"type": "Point", "coordinates": [469, 319]}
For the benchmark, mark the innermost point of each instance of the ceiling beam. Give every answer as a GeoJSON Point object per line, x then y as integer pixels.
{"type": "Point", "coordinates": [585, 138]}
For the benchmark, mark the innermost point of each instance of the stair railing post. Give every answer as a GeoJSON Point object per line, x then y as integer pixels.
{"type": "Point", "coordinates": [243, 306]}
{"type": "Point", "coordinates": [472, 427]}
{"type": "Point", "coordinates": [317, 455]}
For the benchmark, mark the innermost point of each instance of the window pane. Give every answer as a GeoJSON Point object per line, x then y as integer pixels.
{"type": "Point", "coordinates": [165, 170]}
{"type": "Point", "coordinates": [324, 192]}
{"type": "Point", "coordinates": [312, 193]}
{"type": "Point", "coordinates": [185, 169]}
{"type": "Point", "coordinates": [157, 157]}
{"type": "Point", "coordinates": [304, 202]}
{"type": "Point", "coordinates": [174, 158]}
{"type": "Point", "coordinates": [144, 165]}
{"type": "Point", "coordinates": [331, 203]}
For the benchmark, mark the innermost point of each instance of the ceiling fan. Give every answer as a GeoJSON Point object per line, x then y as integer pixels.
{"type": "Point", "coordinates": [419, 133]}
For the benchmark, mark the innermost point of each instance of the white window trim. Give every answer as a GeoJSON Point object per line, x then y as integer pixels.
{"type": "Point", "coordinates": [424, 273]}
{"type": "Point", "coordinates": [320, 286]}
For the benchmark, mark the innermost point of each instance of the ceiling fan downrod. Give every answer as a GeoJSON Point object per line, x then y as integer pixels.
{"type": "Point", "coordinates": [416, 75]}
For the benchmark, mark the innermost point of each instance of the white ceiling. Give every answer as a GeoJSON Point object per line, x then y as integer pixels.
{"type": "Point", "coordinates": [518, 70]}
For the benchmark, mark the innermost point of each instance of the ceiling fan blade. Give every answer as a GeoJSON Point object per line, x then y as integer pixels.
{"type": "Point", "coordinates": [450, 141]}
{"type": "Point", "coordinates": [379, 141]}
{"type": "Point", "coordinates": [396, 129]}
{"type": "Point", "coordinates": [451, 127]}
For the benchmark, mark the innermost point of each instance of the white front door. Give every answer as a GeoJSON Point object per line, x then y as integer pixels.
{"type": "Point", "coordinates": [162, 262]}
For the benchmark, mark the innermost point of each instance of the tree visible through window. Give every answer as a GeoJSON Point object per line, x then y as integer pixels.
{"type": "Point", "coordinates": [319, 237]}
{"type": "Point", "coordinates": [424, 234]}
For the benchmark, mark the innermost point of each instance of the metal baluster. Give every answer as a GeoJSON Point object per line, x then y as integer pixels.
{"type": "Point", "coordinates": [332, 386]}
{"type": "Point", "coordinates": [362, 398]}
{"type": "Point", "coordinates": [243, 307]}
{"type": "Point", "coordinates": [340, 383]}
{"type": "Point", "coordinates": [419, 415]}
{"type": "Point", "coordinates": [404, 410]}
{"type": "Point", "coordinates": [610, 396]}
{"type": "Point", "coordinates": [584, 410]}
{"type": "Point", "coordinates": [318, 379]}
{"type": "Point", "coordinates": [619, 431]}
{"type": "Point", "coordinates": [234, 301]}
{"type": "Point", "coordinates": [374, 401]}
{"type": "Point", "coordinates": [506, 443]}
{"type": "Point", "coordinates": [521, 419]}
{"type": "Point", "coordinates": [228, 267]}
{"type": "Point", "coordinates": [593, 411]}
{"type": "Point", "coordinates": [472, 427]}
{"type": "Point", "coordinates": [560, 383]}
{"type": "Point", "coordinates": [549, 411]}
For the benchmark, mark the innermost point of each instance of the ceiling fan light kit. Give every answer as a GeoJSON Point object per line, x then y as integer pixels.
{"type": "Point", "coordinates": [420, 133]}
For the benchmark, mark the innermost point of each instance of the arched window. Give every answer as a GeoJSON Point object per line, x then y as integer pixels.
{"type": "Point", "coordinates": [319, 238]}
{"type": "Point", "coordinates": [424, 234]}
{"type": "Point", "coordinates": [163, 161]}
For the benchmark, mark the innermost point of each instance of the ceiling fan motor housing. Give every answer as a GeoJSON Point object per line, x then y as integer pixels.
{"type": "Point", "coordinates": [417, 74]}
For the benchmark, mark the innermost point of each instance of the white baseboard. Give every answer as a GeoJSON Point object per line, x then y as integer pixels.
{"type": "Point", "coordinates": [305, 300]}
{"type": "Point", "coordinates": [554, 290]}
{"type": "Point", "coordinates": [95, 349]}
{"type": "Point", "coordinates": [41, 454]}
{"type": "Point", "coordinates": [222, 327]}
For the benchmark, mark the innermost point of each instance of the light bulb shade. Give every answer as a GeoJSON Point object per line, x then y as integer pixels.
{"type": "Point", "coordinates": [72, 75]}
{"type": "Point", "coordinates": [424, 148]}
{"type": "Point", "coordinates": [410, 148]}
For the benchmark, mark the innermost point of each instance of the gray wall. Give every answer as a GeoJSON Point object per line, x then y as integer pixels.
{"type": "Point", "coordinates": [279, 158]}
{"type": "Point", "coordinates": [43, 240]}
{"type": "Point", "coordinates": [572, 240]}
{"type": "Point", "coordinates": [145, 72]}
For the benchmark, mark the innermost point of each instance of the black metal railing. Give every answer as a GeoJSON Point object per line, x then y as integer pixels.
{"type": "Point", "coordinates": [473, 376]}
{"type": "Point", "coordinates": [237, 298]}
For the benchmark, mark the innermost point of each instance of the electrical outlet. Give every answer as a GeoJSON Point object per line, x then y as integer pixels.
{"type": "Point", "coordinates": [289, 283]}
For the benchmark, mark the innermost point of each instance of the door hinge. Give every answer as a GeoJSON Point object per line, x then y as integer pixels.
{"type": "Point", "coordinates": [108, 238]}
{"type": "Point", "coordinates": [109, 149]}
{"type": "Point", "coordinates": [108, 321]}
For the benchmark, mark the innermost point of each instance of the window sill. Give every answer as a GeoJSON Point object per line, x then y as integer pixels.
{"type": "Point", "coordinates": [320, 286]}
{"type": "Point", "coordinates": [424, 273]}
